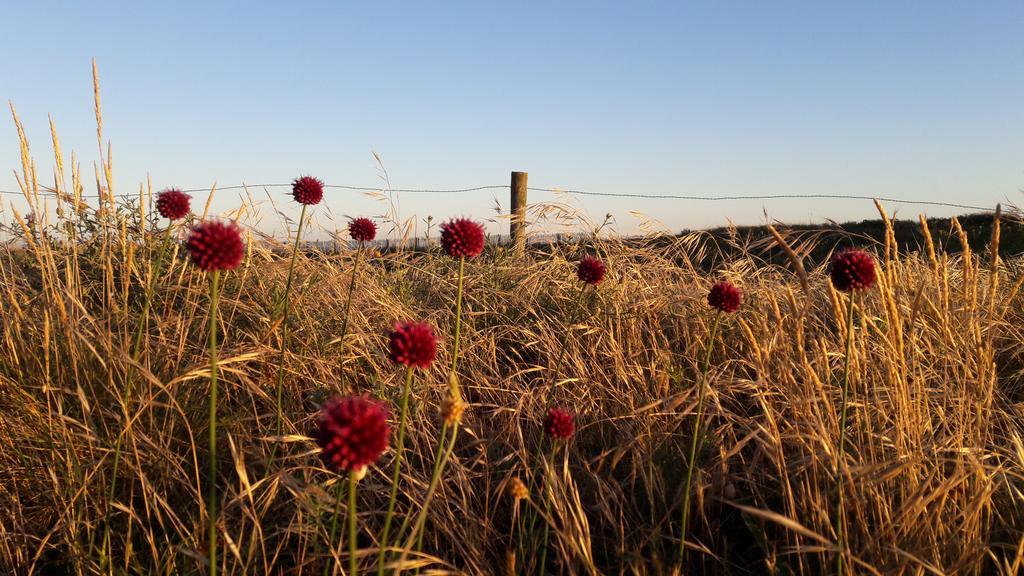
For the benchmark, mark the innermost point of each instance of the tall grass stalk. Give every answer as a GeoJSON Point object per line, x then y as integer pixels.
{"type": "Point", "coordinates": [691, 462]}
{"type": "Point", "coordinates": [284, 326]}
{"type": "Point", "coordinates": [397, 474]}
{"type": "Point", "coordinates": [148, 303]}
{"type": "Point", "coordinates": [348, 307]}
{"type": "Point", "coordinates": [840, 523]}
{"type": "Point", "coordinates": [565, 335]}
{"type": "Point", "coordinates": [435, 481]}
{"type": "Point", "coordinates": [435, 474]}
{"type": "Point", "coordinates": [456, 394]}
{"type": "Point", "coordinates": [129, 372]}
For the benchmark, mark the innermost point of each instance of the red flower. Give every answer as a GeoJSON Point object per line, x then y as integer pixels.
{"type": "Point", "coordinates": [590, 270]}
{"type": "Point", "coordinates": [172, 204]}
{"type": "Point", "coordinates": [352, 432]}
{"type": "Point", "coordinates": [362, 229]}
{"type": "Point", "coordinates": [852, 270]}
{"type": "Point", "coordinates": [462, 238]}
{"type": "Point", "coordinates": [725, 297]}
{"type": "Point", "coordinates": [307, 190]}
{"type": "Point", "coordinates": [413, 344]}
{"type": "Point", "coordinates": [216, 245]}
{"type": "Point", "coordinates": [558, 424]}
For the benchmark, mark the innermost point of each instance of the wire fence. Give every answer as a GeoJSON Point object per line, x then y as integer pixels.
{"type": "Point", "coordinates": [686, 197]}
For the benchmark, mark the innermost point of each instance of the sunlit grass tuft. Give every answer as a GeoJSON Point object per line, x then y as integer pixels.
{"type": "Point", "coordinates": [933, 456]}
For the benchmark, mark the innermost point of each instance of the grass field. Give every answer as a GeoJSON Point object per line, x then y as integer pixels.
{"type": "Point", "coordinates": [933, 473]}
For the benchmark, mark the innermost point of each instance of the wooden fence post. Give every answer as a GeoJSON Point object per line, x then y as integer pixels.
{"type": "Point", "coordinates": [517, 224]}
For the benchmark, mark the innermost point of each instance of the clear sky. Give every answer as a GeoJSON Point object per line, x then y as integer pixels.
{"type": "Point", "coordinates": [919, 100]}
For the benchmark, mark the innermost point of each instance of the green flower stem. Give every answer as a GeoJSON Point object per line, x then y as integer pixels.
{"type": "Point", "coordinates": [458, 317]}
{"type": "Point", "coordinates": [695, 440]}
{"type": "Point", "coordinates": [538, 458]}
{"type": "Point", "coordinates": [212, 488]}
{"type": "Point", "coordinates": [444, 450]}
{"type": "Point", "coordinates": [338, 490]}
{"type": "Point", "coordinates": [419, 548]}
{"type": "Point", "coordinates": [548, 460]}
{"type": "Point", "coordinates": [157, 268]}
{"type": "Point", "coordinates": [438, 454]}
{"type": "Point", "coordinates": [565, 335]}
{"type": "Point", "coordinates": [515, 537]}
{"type": "Point", "coordinates": [456, 393]}
{"type": "Point", "coordinates": [284, 324]}
{"type": "Point", "coordinates": [348, 306]}
{"type": "Point", "coordinates": [396, 476]}
{"type": "Point", "coordinates": [353, 564]}
{"type": "Point", "coordinates": [421, 518]}
{"type": "Point", "coordinates": [840, 544]}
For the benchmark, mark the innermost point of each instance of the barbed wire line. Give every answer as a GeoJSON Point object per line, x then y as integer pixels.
{"type": "Point", "coordinates": [762, 197]}
{"type": "Point", "coordinates": [362, 188]}
{"type": "Point", "coordinates": [337, 186]}
{"type": "Point", "coordinates": [694, 198]}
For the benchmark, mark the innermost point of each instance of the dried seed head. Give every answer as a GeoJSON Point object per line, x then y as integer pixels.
{"type": "Point", "coordinates": [451, 410]}
{"type": "Point", "coordinates": [517, 489]}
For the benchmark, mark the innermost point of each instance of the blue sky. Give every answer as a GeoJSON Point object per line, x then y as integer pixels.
{"type": "Point", "coordinates": [918, 100]}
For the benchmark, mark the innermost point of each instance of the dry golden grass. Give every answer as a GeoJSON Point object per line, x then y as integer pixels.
{"type": "Point", "coordinates": [935, 465]}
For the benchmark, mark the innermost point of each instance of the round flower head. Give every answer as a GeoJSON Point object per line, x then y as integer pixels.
{"type": "Point", "coordinates": [352, 432]}
{"type": "Point", "coordinates": [215, 245]}
{"type": "Point", "coordinates": [852, 270]}
{"type": "Point", "coordinates": [173, 204]}
{"type": "Point", "coordinates": [307, 190]}
{"type": "Point", "coordinates": [590, 270]}
{"type": "Point", "coordinates": [362, 229]}
{"type": "Point", "coordinates": [725, 297]}
{"type": "Point", "coordinates": [462, 238]}
{"type": "Point", "coordinates": [558, 424]}
{"type": "Point", "coordinates": [413, 344]}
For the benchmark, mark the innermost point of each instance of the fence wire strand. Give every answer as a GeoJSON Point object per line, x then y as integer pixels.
{"type": "Point", "coordinates": [687, 197]}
